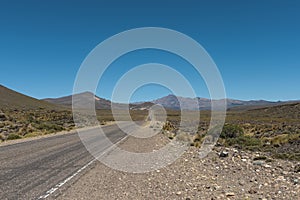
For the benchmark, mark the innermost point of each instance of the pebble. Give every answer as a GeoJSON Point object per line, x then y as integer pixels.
{"type": "Point", "coordinates": [217, 178]}
{"type": "Point", "coordinates": [295, 181]}
{"type": "Point", "coordinates": [252, 191]}
{"type": "Point", "coordinates": [258, 162]}
{"type": "Point", "coordinates": [280, 178]}
{"type": "Point", "coordinates": [224, 154]}
{"type": "Point", "coordinates": [241, 183]}
{"type": "Point", "coordinates": [230, 194]}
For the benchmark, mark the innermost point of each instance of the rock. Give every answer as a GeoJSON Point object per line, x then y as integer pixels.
{"type": "Point", "coordinates": [178, 193]}
{"type": "Point", "coordinates": [224, 154]}
{"type": "Point", "coordinates": [297, 168]}
{"type": "Point", "coordinates": [258, 162]}
{"type": "Point", "coordinates": [295, 181]}
{"type": "Point", "coordinates": [2, 116]}
{"type": "Point", "coordinates": [216, 187]}
{"type": "Point", "coordinates": [284, 173]}
{"type": "Point", "coordinates": [241, 183]}
{"type": "Point", "coordinates": [235, 151]}
{"type": "Point", "coordinates": [230, 194]}
{"type": "Point", "coordinates": [252, 191]}
{"type": "Point", "coordinates": [268, 166]}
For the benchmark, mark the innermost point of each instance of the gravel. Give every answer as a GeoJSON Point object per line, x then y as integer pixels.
{"type": "Point", "coordinates": [236, 176]}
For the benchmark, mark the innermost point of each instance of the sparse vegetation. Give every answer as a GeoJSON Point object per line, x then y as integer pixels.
{"type": "Point", "coordinates": [13, 136]}
{"type": "Point", "coordinates": [244, 142]}
{"type": "Point", "coordinates": [231, 131]}
{"type": "Point", "coordinates": [273, 129]}
{"type": "Point", "coordinates": [168, 126]}
{"type": "Point", "coordinates": [197, 140]}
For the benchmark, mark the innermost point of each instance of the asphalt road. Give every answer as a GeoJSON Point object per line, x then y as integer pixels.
{"type": "Point", "coordinates": [29, 169]}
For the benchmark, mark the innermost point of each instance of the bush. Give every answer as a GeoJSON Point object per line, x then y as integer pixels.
{"type": "Point", "coordinates": [285, 138]}
{"type": "Point", "coordinates": [231, 131]}
{"type": "Point", "coordinates": [13, 136]}
{"type": "Point", "coordinates": [198, 139]}
{"type": "Point", "coordinates": [33, 134]}
{"type": "Point", "coordinates": [49, 127]}
{"type": "Point", "coordinates": [245, 141]}
{"type": "Point", "coordinates": [287, 156]}
{"type": "Point", "coordinates": [168, 126]}
{"type": "Point", "coordinates": [260, 158]}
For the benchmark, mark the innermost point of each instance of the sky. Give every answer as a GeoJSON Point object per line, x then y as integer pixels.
{"type": "Point", "coordinates": [255, 44]}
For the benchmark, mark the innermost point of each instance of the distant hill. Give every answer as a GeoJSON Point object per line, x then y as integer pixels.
{"type": "Point", "coordinates": [173, 102]}
{"type": "Point", "coordinates": [24, 116]}
{"type": "Point", "coordinates": [83, 99]}
{"type": "Point", "coordinates": [261, 105]}
{"type": "Point", "coordinates": [284, 111]}
{"type": "Point", "coordinates": [10, 99]}
{"type": "Point", "coordinates": [170, 102]}
{"type": "Point", "coordinates": [141, 106]}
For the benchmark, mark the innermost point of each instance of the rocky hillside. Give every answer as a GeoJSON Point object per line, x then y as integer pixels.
{"type": "Point", "coordinates": [84, 99]}
{"type": "Point", "coordinates": [177, 103]}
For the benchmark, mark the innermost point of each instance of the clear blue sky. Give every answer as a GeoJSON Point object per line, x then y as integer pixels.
{"type": "Point", "coordinates": [255, 44]}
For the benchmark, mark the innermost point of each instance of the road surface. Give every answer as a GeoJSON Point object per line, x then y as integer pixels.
{"type": "Point", "coordinates": [28, 170]}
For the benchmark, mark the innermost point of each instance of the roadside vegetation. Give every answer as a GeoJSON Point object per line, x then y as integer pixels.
{"type": "Point", "coordinates": [275, 130]}
{"type": "Point", "coordinates": [19, 123]}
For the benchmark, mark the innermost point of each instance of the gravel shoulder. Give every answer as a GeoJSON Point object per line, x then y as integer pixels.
{"type": "Point", "coordinates": [240, 175]}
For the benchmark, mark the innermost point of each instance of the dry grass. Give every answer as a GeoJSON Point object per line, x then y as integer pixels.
{"type": "Point", "coordinates": [273, 129]}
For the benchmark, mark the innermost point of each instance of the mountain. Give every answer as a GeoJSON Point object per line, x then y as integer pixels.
{"type": "Point", "coordinates": [84, 99]}
{"type": "Point", "coordinates": [173, 102]}
{"type": "Point", "coordinates": [10, 99]}
{"type": "Point", "coordinates": [141, 106]}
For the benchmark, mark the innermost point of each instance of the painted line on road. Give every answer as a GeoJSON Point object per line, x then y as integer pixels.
{"type": "Point", "coordinates": [59, 185]}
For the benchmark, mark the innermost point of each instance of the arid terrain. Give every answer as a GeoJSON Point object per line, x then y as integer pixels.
{"type": "Point", "coordinates": [240, 175]}
{"type": "Point", "coordinates": [256, 157]}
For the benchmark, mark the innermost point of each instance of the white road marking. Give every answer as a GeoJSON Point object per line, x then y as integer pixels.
{"type": "Point", "coordinates": [56, 187]}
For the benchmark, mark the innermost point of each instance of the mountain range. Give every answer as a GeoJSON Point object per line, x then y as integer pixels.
{"type": "Point", "coordinates": [171, 102]}
{"type": "Point", "coordinates": [9, 98]}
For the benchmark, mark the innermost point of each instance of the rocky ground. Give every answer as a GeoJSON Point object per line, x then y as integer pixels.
{"type": "Point", "coordinates": [233, 175]}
